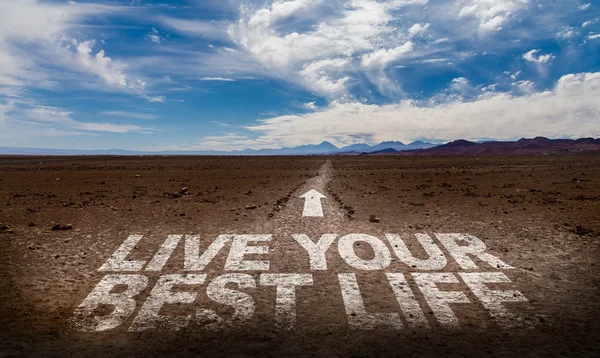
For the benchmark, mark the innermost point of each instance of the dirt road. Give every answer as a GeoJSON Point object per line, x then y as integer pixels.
{"type": "Point", "coordinates": [364, 256]}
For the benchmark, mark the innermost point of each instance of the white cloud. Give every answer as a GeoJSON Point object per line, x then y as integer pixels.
{"type": "Point", "coordinates": [46, 24]}
{"type": "Point", "coordinates": [322, 77]}
{"type": "Point", "coordinates": [566, 32]}
{"type": "Point", "coordinates": [588, 23]}
{"type": "Point", "coordinates": [593, 36]}
{"type": "Point", "coordinates": [155, 36]}
{"type": "Point", "coordinates": [541, 59]}
{"type": "Point", "coordinates": [310, 105]}
{"type": "Point", "coordinates": [197, 28]}
{"type": "Point", "coordinates": [524, 86]}
{"type": "Point", "coordinates": [100, 65]}
{"type": "Point", "coordinates": [384, 56]}
{"type": "Point", "coordinates": [157, 99]}
{"type": "Point", "coordinates": [356, 29]}
{"type": "Point", "coordinates": [223, 79]}
{"type": "Point", "coordinates": [584, 6]}
{"type": "Point", "coordinates": [60, 117]}
{"type": "Point", "coordinates": [571, 109]}
{"type": "Point", "coordinates": [417, 29]}
{"type": "Point", "coordinates": [460, 84]}
{"type": "Point", "coordinates": [31, 51]}
{"type": "Point", "coordinates": [492, 14]}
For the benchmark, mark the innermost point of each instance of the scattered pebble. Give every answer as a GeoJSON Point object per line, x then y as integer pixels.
{"type": "Point", "coordinates": [373, 219]}
{"type": "Point", "coordinates": [250, 206]}
{"type": "Point", "coordinates": [62, 227]}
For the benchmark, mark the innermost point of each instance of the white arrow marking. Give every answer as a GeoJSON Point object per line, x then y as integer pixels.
{"type": "Point", "coordinates": [312, 204]}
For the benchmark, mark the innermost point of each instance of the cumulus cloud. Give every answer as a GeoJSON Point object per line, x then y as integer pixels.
{"type": "Point", "coordinates": [541, 59]}
{"type": "Point", "coordinates": [358, 29]}
{"type": "Point", "coordinates": [417, 29]}
{"type": "Point", "coordinates": [492, 15]}
{"type": "Point", "coordinates": [311, 106]}
{"type": "Point", "coordinates": [570, 109]}
{"type": "Point", "coordinates": [593, 36]}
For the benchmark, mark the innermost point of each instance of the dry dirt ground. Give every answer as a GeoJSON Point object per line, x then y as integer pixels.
{"type": "Point", "coordinates": [539, 214]}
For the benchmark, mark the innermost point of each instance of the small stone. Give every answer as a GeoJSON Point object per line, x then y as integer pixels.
{"type": "Point", "coordinates": [183, 191]}
{"type": "Point", "coordinates": [250, 206]}
{"type": "Point", "coordinates": [31, 224]}
{"type": "Point", "coordinates": [62, 227]}
{"type": "Point", "coordinates": [373, 219]}
{"type": "Point", "coordinates": [137, 176]}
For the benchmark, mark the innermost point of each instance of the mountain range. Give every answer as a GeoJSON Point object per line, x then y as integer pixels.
{"type": "Point", "coordinates": [309, 149]}
{"type": "Point", "coordinates": [538, 145]}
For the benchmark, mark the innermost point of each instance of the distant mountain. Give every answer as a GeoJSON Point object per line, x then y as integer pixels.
{"type": "Point", "coordinates": [361, 147]}
{"type": "Point", "coordinates": [396, 146]}
{"type": "Point", "coordinates": [538, 145]}
{"type": "Point", "coordinates": [324, 148]}
{"type": "Point", "coordinates": [382, 151]}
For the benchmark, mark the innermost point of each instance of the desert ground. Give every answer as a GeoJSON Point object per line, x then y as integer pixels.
{"type": "Point", "coordinates": [63, 218]}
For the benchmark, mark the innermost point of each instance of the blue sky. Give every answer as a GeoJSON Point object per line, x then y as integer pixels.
{"type": "Point", "coordinates": [229, 74]}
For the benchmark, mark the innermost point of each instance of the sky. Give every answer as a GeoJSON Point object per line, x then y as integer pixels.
{"type": "Point", "coordinates": [229, 74]}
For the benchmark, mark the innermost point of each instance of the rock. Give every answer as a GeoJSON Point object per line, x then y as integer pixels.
{"type": "Point", "coordinates": [172, 195]}
{"type": "Point", "coordinates": [183, 191]}
{"type": "Point", "coordinates": [7, 229]}
{"type": "Point", "coordinates": [137, 176]}
{"type": "Point", "coordinates": [250, 206]}
{"type": "Point", "coordinates": [31, 224]}
{"type": "Point", "coordinates": [373, 219]}
{"type": "Point", "coordinates": [581, 231]}
{"type": "Point", "coordinates": [57, 179]}
{"type": "Point", "coordinates": [62, 227]}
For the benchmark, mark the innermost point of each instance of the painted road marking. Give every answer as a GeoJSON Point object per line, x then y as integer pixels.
{"type": "Point", "coordinates": [122, 291]}
{"type": "Point", "coordinates": [312, 204]}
